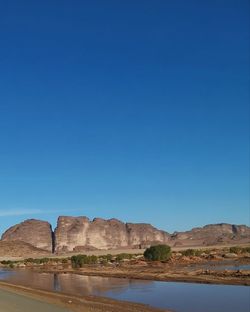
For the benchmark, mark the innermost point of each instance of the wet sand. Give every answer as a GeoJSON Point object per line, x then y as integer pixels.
{"type": "Point", "coordinates": [15, 298]}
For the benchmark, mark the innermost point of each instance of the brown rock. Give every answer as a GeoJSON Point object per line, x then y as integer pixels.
{"type": "Point", "coordinates": [79, 232]}
{"type": "Point", "coordinates": [142, 235]}
{"type": "Point", "coordinates": [212, 234]}
{"type": "Point", "coordinates": [34, 232]}
{"type": "Point", "coordinates": [74, 233]}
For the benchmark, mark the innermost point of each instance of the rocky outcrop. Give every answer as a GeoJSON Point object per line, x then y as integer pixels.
{"type": "Point", "coordinates": [79, 233]}
{"type": "Point", "coordinates": [212, 234]}
{"type": "Point", "coordinates": [35, 232]}
{"type": "Point", "coordinates": [142, 235]}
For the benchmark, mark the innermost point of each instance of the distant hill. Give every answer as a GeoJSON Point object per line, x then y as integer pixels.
{"type": "Point", "coordinates": [79, 234]}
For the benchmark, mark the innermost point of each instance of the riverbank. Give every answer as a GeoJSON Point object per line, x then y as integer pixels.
{"type": "Point", "coordinates": [26, 299]}
{"type": "Point", "coordinates": [198, 276]}
{"type": "Point", "coordinates": [191, 265]}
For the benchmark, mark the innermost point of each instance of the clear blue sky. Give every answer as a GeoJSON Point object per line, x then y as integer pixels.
{"type": "Point", "coordinates": [130, 109]}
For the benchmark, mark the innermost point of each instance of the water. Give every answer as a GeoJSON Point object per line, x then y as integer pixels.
{"type": "Point", "coordinates": [179, 297]}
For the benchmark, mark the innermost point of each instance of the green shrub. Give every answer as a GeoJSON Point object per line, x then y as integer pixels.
{"type": "Point", "coordinates": [29, 260]}
{"type": "Point", "coordinates": [235, 249]}
{"type": "Point", "coordinates": [79, 260]}
{"type": "Point", "coordinates": [43, 260]}
{"type": "Point", "coordinates": [239, 250]}
{"type": "Point", "coordinates": [158, 253]}
{"type": "Point", "coordinates": [93, 259]}
{"type": "Point", "coordinates": [6, 262]}
{"type": "Point", "coordinates": [246, 249]}
{"type": "Point", "coordinates": [9, 263]}
{"type": "Point", "coordinates": [107, 257]}
{"type": "Point", "coordinates": [192, 252]}
{"type": "Point", "coordinates": [123, 256]}
{"type": "Point", "coordinates": [65, 260]}
{"type": "Point", "coordinates": [188, 252]}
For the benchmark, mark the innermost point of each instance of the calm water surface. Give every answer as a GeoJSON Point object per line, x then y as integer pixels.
{"type": "Point", "coordinates": [180, 297]}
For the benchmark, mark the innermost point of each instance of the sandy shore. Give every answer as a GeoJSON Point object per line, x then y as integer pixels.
{"type": "Point", "coordinates": [15, 298]}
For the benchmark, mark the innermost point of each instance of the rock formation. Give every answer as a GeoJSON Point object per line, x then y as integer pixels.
{"type": "Point", "coordinates": [35, 232]}
{"type": "Point", "coordinates": [143, 235]}
{"type": "Point", "coordinates": [79, 234]}
{"type": "Point", "coordinates": [212, 234]}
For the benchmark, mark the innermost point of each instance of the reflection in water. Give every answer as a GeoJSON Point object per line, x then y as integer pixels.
{"type": "Point", "coordinates": [57, 286]}
{"type": "Point", "coordinates": [180, 297]}
{"type": "Point", "coordinates": [70, 283]}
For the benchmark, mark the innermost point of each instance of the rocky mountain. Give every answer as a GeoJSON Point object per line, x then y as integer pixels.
{"type": "Point", "coordinates": [212, 234]}
{"type": "Point", "coordinates": [79, 234]}
{"type": "Point", "coordinates": [35, 232]}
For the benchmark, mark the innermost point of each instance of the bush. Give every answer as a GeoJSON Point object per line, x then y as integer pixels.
{"type": "Point", "coordinates": [108, 257]}
{"type": "Point", "coordinates": [246, 249]}
{"type": "Point", "coordinates": [79, 260]}
{"type": "Point", "coordinates": [235, 249]}
{"type": "Point", "coordinates": [64, 260]}
{"type": "Point", "coordinates": [238, 250]}
{"type": "Point", "coordinates": [123, 256]}
{"type": "Point", "coordinates": [158, 253]}
{"type": "Point", "coordinates": [44, 260]}
{"type": "Point", "coordinates": [192, 252]}
{"type": "Point", "coordinates": [6, 262]}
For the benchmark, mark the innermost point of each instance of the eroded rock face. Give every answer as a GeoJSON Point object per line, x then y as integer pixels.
{"type": "Point", "coordinates": [35, 232]}
{"type": "Point", "coordinates": [79, 233]}
{"type": "Point", "coordinates": [212, 234]}
{"type": "Point", "coordinates": [141, 235]}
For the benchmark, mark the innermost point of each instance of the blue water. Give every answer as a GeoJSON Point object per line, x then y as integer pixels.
{"type": "Point", "coordinates": [179, 297]}
{"type": "Point", "coordinates": [187, 297]}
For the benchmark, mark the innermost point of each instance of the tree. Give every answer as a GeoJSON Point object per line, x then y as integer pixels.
{"type": "Point", "coordinates": [158, 253]}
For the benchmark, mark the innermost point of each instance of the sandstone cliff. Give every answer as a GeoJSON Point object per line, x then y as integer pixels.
{"type": "Point", "coordinates": [143, 235]}
{"type": "Point", "coordinates": [35, 232]}
{"type": "Point", "coordinates": [79, 233]}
